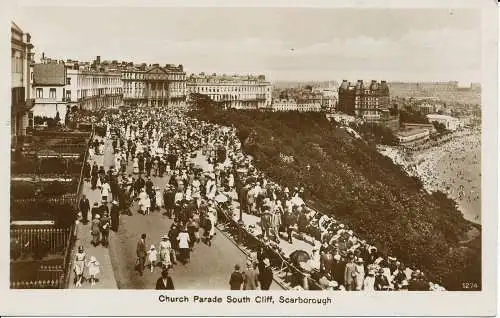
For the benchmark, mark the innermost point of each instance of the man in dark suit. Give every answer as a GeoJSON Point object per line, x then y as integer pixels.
{"type": "Point", "coordinates": [85, 208]}
{"type": "Point", "coordinates": [165, 281]}
{"type": "Point", "coordinates": [266, 276]}
{"type": "Point", "coordinates": [141, 253]}
{"type": "Point", "coordinates": [115, 216]}
{"type": "Point", "coordinates": [236, 278]}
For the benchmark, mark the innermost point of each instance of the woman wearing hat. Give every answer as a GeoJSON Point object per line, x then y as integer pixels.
{"type": "Point", "coordinates": [93, 267]}
{"type": "Point", "coordinates": [95, 230]}
{"type": "Point", "coordinates": [360, 273]}
{"type": "Point", "coordinates": [152, 257]}
{"type": "Point", "coordinates": [165, 249]}
{"type": "Point", "coordinates": [159, 197]}
{"type": "Point", "coordinates": [79, 266]}
{"type": "Point", "coordinates": [183, 239]}
{"type": "Point", "coordinates": [369, 283]}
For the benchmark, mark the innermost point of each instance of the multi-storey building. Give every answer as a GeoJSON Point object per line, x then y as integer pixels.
{"type": "Point", "coordinates": [21, 102]}
{"type": "Point", "coordinates": [49, 81]}
{"type": "Point", "coordinates": [363, 100]}
{"type": "Point", "coordinates": [239, 92]}
{"type": "Point", "coordinates": [285, 105]}
{"type": "Point", "coordinates": [371, 102]}
{"type": "Point", "coordinates": [154, 85]}
{"type": "Point", "coordinates": [93, 88]}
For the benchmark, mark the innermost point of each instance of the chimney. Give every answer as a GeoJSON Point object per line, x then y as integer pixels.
{"type": "Point", "coordinates": [98, 60]}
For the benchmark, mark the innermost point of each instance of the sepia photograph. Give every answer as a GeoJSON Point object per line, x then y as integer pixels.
{"type": "Point", "coordinates": [303, 152]}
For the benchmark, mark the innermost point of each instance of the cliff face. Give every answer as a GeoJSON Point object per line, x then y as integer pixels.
{"type": "Point", "coordinates": [352, 181]}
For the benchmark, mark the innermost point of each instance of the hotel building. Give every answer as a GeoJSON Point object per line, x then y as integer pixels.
{"type": "Point", "coordinates": [238, 92]}
{"type": "Point", "coordinates": [285, 105]}
{"type": "Point", "coordinates": [93, 88]}
{"type": "Point", "coordinates": [154, 85]}
{"type": "Point", "coordinates": [371, 102]}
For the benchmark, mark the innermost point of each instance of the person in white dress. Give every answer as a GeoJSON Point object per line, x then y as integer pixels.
{"type": "Point", "coordinates": [147, 205]}
{"type": "Point", "coordinates": [135, 165]}
{"type": "Point", "coordinates": [369, 283]}
{"type": "Point", "coordinates": [94, 270]}
{"type": "Point", "coordinates": [230, 182]}
{"type": "Point", "coordinates": [79, 266]}
{"type": "Point", "coordinates": [101, 148]}
{"type": "Point", "coordinates": [91, 154]}
{"type": "Point", "coordinates": [165, 248]}
{"type": "Point", "coordinates": [142, 201]}
{"type": "Point", "coordinates": [159, 197]}
{"type": "Point", "coordinates": [105, 189]}
{"type": "Point", "coordinates": [183, 239]}
{"type": "Point", "coordinates": [152, 257]}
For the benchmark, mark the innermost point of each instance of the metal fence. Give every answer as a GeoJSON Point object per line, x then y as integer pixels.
{"type": "Point", "coordinates": [60, 241]}
{"type": "Point", "coordinates": [280, 263]}
{"type": "Point", "coordinates": [30, 240]}
{"type": "Point", "coordinates": [38, 284]}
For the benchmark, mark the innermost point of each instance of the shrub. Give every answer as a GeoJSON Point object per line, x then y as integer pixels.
{"type": "Point", "coordinates": [360, 187]}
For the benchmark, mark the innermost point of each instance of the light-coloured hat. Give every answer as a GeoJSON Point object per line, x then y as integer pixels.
{"type": "Point", "coordinates": [97, 216]}
{"type": "Point", "coordinates": [267, 262]}
{"type": "Point", "coordinates": [342, 226]}
{"type": "Point", "coordinates": [152, 247]}
{"type": "Point", "coordinates": [164, 237]}
{"type": "Point", "coordinates": [93, 259]}
{"type": "Point", "coordinates": [336, 257]}
{"type": "Point", "coordinates": [359, 260]}
{"type": "Point", "coordinates": [114, 202]}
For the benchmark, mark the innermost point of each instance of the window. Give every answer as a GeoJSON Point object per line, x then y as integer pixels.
{"type": "Point", "coordinates": [52, 93]}
{"type": "Point", "coordinates": [39, 93]}
{"type": "Point", "coordinates": [68, 80]}
{"type": "Point", "coordinates": [68, 95]}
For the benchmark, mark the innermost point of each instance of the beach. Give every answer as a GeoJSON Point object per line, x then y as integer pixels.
{"type": "Point", "coordinates": [453, 168]}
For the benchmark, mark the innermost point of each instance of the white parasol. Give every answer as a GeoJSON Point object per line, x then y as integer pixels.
{"type": "Point", "coordinates": [221, 198]}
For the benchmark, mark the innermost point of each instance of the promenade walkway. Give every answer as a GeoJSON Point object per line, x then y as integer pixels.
{"type": "Point", "coordinates": [106, 277]}
{"type": "Point", "coordinates": [249, 219]}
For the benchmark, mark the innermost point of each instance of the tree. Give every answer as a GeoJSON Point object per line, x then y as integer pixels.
{"type": "Point", "coordinates": [440, 127]}
{"type": "Point", "coordinates": [408, 116]}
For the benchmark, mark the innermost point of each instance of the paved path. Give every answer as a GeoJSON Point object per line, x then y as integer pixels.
{"type": "Point", "coordinates": [210, 267]}
{"type": "Point", "coordinates": [106, 277]}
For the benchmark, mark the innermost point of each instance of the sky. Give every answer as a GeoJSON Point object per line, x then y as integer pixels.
{"type": "Point", "coordinates": [282, 43]}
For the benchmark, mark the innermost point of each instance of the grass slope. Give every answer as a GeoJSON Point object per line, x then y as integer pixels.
{"type": "Point", "coordinates": [352, 181]}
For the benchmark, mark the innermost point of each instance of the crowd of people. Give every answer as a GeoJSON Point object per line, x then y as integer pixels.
{"type": "Point", "coordinates": [158, 143]}
{"type": "Point", "coordinates": [453, 168]}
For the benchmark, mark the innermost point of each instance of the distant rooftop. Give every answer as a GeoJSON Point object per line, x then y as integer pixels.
{"type": "Point", "coordinates": [218, 78]}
